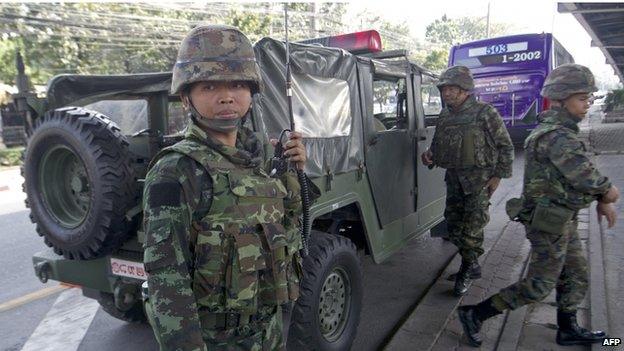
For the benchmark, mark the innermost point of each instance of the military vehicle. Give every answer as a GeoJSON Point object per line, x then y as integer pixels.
{"type": "Point", "coordinates": [366, 115]}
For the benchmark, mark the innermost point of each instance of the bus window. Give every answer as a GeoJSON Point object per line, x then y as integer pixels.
{"type": "Point", "coordinates": [390, 108]}
{"type": "Point", "coordinates": [562, 56]}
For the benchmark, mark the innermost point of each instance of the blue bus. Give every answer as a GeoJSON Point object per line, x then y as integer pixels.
{"type": "Point", "coordinates": [509, 73]}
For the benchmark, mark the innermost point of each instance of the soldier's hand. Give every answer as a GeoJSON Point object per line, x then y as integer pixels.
{"type": "Point", "coordinates": [427, 158]}
{"type": "Point", "coordinates": [611, 196]}
{"type": "Point", "coordinates": [492, 185]}
{"type": "Point", "coordinates": [608, 211]}
{"type": "Point", "coordinates": [295, 151]}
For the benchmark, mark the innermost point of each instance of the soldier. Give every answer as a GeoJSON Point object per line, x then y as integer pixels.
{"type": "Point", "coordinates": [559, 180]}
{"type": "Point", "coordinates": [472, 143]}
{"type": "Point", "coordinates": [221, 244]}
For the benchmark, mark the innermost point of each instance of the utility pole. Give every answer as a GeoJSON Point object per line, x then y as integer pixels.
{"type": "Point", "coordinates": [487, 23]}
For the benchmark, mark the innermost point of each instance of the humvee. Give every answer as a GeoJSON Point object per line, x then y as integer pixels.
{"type": "Point", "coordinates": [366, 115]}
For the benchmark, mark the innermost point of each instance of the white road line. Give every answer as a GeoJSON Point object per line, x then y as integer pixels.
{"type": "Point", "coordinates": [65, 325]}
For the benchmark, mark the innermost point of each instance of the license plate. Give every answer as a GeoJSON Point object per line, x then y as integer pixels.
{"type": "Point", "coordinates": [128, 269]}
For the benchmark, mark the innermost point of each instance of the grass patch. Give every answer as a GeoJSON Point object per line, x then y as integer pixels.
{"type": "Point", "coordinates": [11, 156]}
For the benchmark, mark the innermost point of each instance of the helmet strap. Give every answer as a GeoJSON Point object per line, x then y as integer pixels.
{"type": "Point", "coordinates": [220, 125]}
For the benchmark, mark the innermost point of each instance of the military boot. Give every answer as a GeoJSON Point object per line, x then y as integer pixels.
{"type": "Point", "coordinates": [473, 316]}
{"type": "Point", "coordinates": [463, 278]}
{"type": "Point", "coordinates": [570, 333]}
{"type": "Point", "coordinates": [474, 269]}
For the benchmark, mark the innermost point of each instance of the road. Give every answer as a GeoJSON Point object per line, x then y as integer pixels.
{"type": "Point", "coordinates": [30, 310]}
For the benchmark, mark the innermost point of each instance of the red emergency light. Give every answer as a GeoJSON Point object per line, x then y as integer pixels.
{"type": "Point", "coordinates": [364, 42]}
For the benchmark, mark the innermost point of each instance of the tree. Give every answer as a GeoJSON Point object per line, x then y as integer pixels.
{"type": "Point", "coordinates": [463, 29]}
{"type": "Point", "coordinates": [93, 38]}
{"type": "Point", "coordinates": [446, 32]}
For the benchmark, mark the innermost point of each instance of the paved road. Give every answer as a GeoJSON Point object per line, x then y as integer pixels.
{"type": "Point", "coordinates": [386, 301]}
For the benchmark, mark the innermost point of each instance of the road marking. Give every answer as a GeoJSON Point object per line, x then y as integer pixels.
{"type": "Point", "coordinates": [39, 294]}
{"type": "Point", "coordinates": [65, 325]}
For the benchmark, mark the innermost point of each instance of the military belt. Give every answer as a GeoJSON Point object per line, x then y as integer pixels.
{"type": "Point", "coordinates": [230, 320]}
{"type": "Point", "coordinates": [226, 320]}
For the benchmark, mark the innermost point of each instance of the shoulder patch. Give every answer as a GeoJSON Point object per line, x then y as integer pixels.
{"type": "Point", "coordinates": [165, 193]}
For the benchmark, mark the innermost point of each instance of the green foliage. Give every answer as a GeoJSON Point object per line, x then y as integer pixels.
{"type": "Point", "coordinates": [11, 156]}
{"type": "Point", "coordinates": [447, 32]}
{"type": "Point", "coordinates": [91, 38]}
{"type": "Point", "coordinates": [614, 100]}
{"type": "Point", "coordinates": [118, 38]}
{"type": "Point", "coordinates": [450, 31]}
{"type": "Point", "coordinates": [254, 25]}
{"type": "Point", "coordinates": [434, 59]}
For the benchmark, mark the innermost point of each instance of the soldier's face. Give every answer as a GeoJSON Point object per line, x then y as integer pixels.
{"type": "Point", "coordinates": [221, 99]}
{"type": "Point", "coordinates": [453, 96]}
{"type": "Point", "coordinates": [578, 104]}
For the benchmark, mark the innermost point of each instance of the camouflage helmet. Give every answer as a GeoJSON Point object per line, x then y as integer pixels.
{"type": "Point", "coordinates": [568, 79]}
{"type": "Point", "coordinates": [215, 53]}
{"type": "Point", "coordinates": [457, 75]}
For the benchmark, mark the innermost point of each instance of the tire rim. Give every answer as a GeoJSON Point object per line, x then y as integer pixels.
{"type": "Point", "coordinates": [64, 186]}
{"type": "Point", "coordinates": [334, 304]}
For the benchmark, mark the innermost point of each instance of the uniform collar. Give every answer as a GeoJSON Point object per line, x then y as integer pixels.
{"type": "Point", "coordinates": [248, 151]}
{"type": "Point", "coordinates": [561, 116]}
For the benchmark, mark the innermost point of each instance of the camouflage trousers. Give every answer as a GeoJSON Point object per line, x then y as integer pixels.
{"type": "Point", "coordinates": [557, 261]}
{"type": "Point", "coordinates": [264, 334]}
{"type": "Point", "coordinates": [466, 215]}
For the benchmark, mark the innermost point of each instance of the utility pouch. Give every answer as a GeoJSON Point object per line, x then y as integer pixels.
{"type": "Point", "coordinates": [468, 148]}
{"type": "Point", "coordinates": [513, 207]}
{"type": "Point", "coordinates": [551, 218]}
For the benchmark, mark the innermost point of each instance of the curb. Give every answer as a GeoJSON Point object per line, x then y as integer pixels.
{"type": "Point", "coordinates": [597, 293]}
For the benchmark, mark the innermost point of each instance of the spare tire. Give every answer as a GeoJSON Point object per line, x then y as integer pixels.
{"type": "Point", "coordinates": [79, 182]}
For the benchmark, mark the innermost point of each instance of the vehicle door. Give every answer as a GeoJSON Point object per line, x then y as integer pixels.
{"type": "Point", "coordinates": [431, 193]}
{"type": "Point", "coordinates": [390, 145]}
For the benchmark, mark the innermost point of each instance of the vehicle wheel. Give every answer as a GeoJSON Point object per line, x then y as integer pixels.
{"type": "Point", "coordinates": [79, 182]}
{"type": "Point", "coordinates": [136, 314]}
{"type": "Point", "coordinates": [327, 312]}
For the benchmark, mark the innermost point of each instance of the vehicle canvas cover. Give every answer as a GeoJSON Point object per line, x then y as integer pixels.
{"type": "Point", "coordinates": [326, 104]}
{"type": "Point", "coordinates": [80, 90]}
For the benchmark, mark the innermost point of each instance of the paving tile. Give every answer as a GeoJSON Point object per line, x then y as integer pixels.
{"type": "Point", "coordinates": [543, 314]}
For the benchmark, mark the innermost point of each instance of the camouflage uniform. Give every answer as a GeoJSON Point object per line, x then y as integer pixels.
{"type": "Point", "coordinates": [472, 143]}
{"type": "Point", "coordinates": [221, 240]}
{"type": "Point", "coordinates": [558, 173]}
{"type": "Point", "coordinates": [559, 180]}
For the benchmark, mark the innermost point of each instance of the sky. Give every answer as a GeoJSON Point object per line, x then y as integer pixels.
{"type": "Point", "coordinates": [526, 16]}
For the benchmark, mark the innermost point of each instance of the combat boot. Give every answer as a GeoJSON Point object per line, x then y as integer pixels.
{"type": "Point", "coordinates": [473, 316]}
{"type": "Point", "coordinates": [570, 333]}
{"type": "Point", "coordinates": [474, 269]}
{"type": "Point", "coordinates": [463, 278]}
{"type": "Point", "coordinates": [471, 324]}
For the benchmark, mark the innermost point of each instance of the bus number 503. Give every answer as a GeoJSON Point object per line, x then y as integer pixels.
{"type": "Point", "coordinates": [522, 56]}
{"type": "Point", "coordinates": [496, 49]}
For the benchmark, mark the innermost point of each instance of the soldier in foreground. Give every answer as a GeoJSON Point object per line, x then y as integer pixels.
{"type": "Point", "coordinates": [559, 180]}
{"type": "Point", "coordinates": [221, 245]}
{"type": "Point", "coordinates": [472, 143]}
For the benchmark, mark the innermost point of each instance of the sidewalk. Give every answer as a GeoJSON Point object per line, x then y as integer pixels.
{"type": "Point", "coordinates": [433, 324]}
